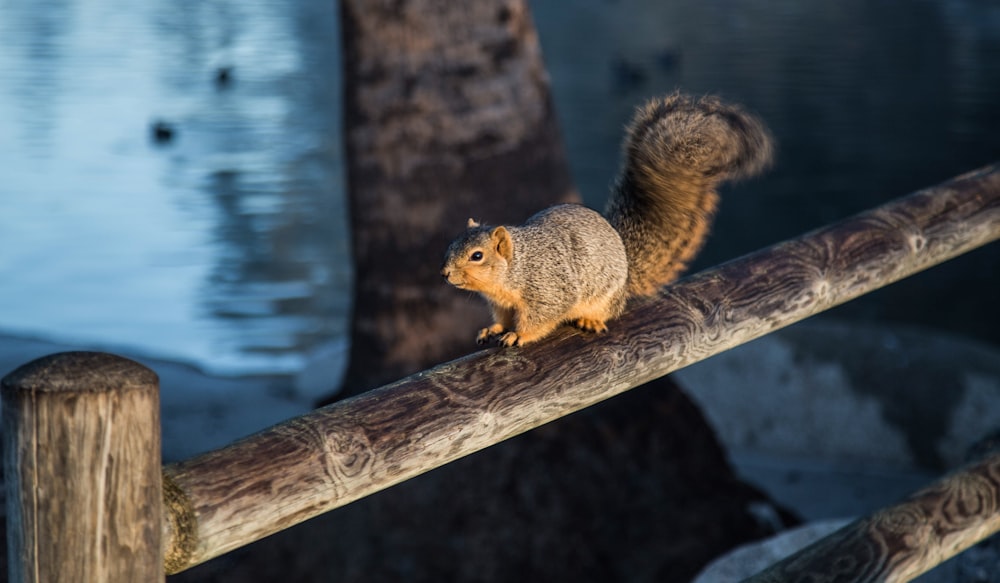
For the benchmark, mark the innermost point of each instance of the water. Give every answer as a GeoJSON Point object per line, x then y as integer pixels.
{"type": "Point", "coordinates": [227, 245]}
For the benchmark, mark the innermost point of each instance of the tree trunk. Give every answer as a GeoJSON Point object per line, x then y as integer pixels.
{"type": "Point", "coordinates": [447, 116]}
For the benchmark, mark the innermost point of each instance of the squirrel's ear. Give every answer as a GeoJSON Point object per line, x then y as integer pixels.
{"type": "Point", "coordinates": [502, 243]}
{"type": "Point", "coordinates": [471, 224]}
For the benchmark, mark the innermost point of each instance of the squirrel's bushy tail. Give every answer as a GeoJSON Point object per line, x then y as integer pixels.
{"type": "Point", "coordinates": [677, 150]}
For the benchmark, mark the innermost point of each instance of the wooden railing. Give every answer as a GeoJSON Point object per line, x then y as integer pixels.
{"type": "Point", "coordinates": [81, 430]}
{"type": "Point", "coordinates": [901, 542]}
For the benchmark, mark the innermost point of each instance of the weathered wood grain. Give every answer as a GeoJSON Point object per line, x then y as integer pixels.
{"type": "Point", "coordinates": [337, 454]}
{"type": "Point", "coordinates": [899, 543]}
{"type": "Point", "coordinates": [82, 468]}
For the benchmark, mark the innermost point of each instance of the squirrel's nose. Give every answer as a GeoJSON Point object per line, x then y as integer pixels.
{"type": "Point", "coordinates": [445, 271]}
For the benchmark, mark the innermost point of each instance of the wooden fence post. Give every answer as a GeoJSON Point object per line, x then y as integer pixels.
{"type": "Point", "coordinates": [81, 441]}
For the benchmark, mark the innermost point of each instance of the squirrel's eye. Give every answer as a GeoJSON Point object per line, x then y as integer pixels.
{"type": "Point", "coordinates": [477, 256]}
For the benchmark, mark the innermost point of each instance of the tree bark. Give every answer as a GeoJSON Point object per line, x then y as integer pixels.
{"type": "Point", "coordinates": [448, 116]}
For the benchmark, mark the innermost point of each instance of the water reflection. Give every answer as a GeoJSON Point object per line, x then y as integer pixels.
{"type": "Point", "coordinates": [226, 245]}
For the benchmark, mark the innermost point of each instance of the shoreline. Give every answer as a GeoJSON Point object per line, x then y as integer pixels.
{"type": "Point", "coordinates": [198, 411]}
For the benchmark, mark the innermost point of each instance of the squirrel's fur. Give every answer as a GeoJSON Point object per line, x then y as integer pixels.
{"type": "Point", "coordinates": [567, 263]}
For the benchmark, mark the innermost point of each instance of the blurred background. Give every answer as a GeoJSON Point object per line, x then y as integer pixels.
{"type": "Point", "coordinates": [172, 177]}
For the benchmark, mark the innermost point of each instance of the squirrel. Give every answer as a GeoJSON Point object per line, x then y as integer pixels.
{"type": "Point", "coordinates": [570, 264]}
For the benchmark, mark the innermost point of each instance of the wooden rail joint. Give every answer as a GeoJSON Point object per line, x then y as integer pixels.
{"type": "Point", "coordinates": [179, 527]}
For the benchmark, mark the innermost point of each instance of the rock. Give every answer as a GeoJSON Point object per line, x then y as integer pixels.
{"type": "Point", "coordinates": [751, 559]}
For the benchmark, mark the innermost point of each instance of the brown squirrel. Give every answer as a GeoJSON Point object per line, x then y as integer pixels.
{"type": "Point", "coordinates": [569, 264]}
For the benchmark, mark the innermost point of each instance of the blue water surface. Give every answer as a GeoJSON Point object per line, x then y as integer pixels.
{"type": "Point", "coordinates": [224, 244]}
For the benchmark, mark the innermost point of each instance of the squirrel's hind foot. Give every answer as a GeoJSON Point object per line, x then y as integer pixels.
{"type": "Point", "coordinates": [591, 325]}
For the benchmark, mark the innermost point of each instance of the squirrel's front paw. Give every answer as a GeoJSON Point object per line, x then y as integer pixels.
{"type": "Point", "coordinates": [591, 325]}
{"type": "Point", "coordinates": [509, 339]}
{"type": "Point", "coordinates": [486, 333]}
